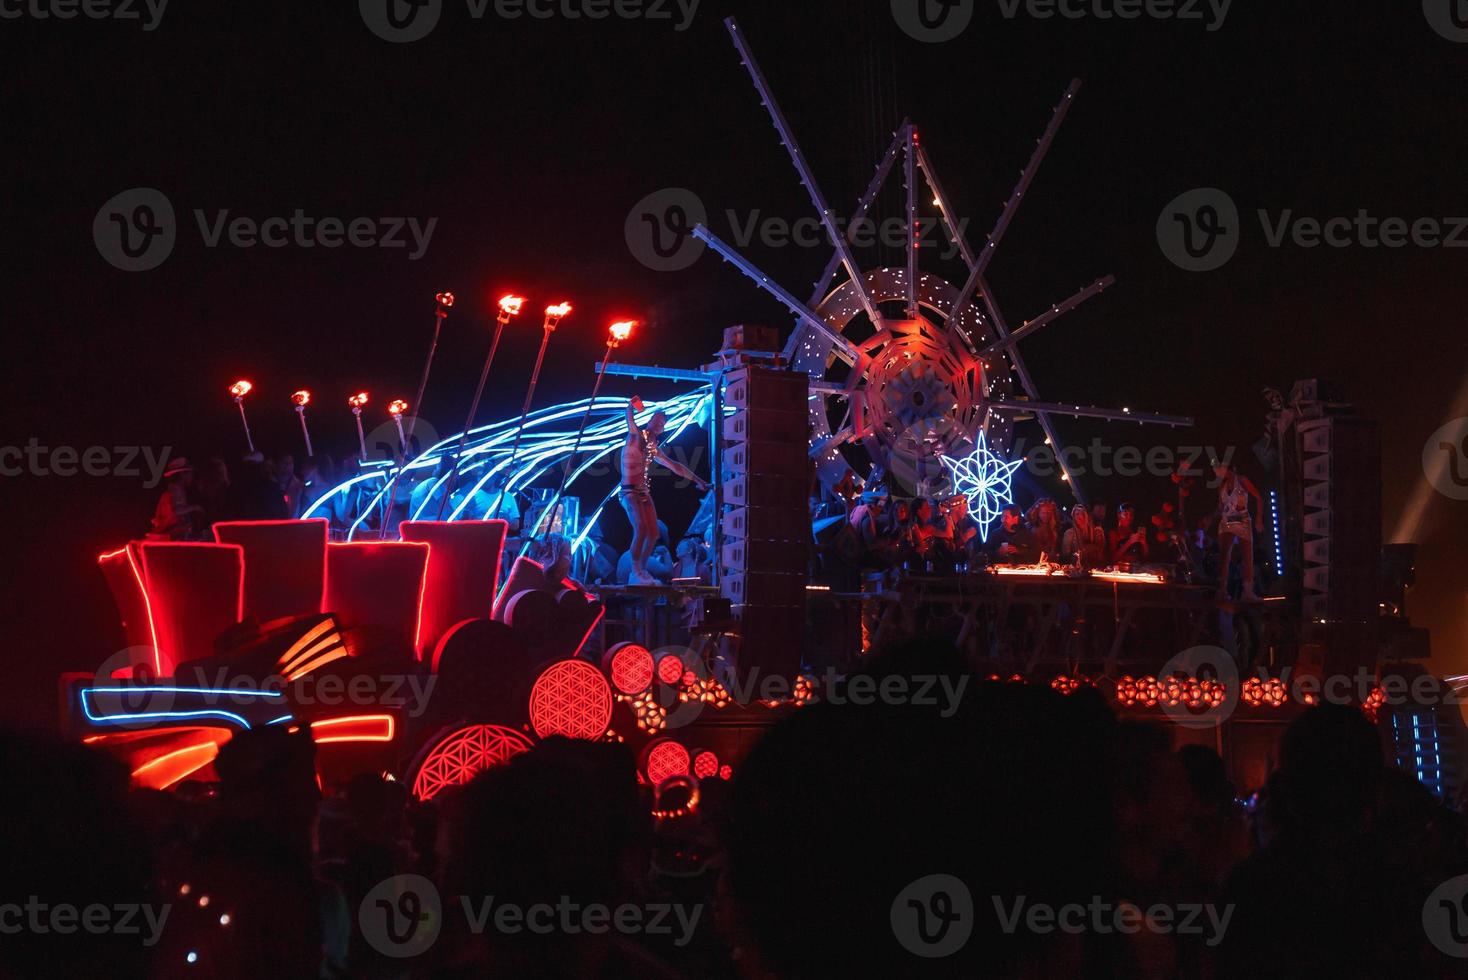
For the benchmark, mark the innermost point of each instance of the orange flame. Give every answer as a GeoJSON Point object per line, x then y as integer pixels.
{"type": "Point", "coordinates": [358, 400]}
{"type": "Point", "coordinates": [446, 300]}
{"type": "Point", "coordinates": [302, 398]}
{"type": "Point", "coordinates": [558, 311]}
{"type": "Point", "coordinates": [240, 388]}
{"type": "Point", "coordinates": [511, 305]}
{"type": "Point", "coordinates": [622, 330]}
{"type": "Point", "coordinates": [397, 407]}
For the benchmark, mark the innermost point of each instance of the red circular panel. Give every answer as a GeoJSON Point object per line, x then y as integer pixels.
{"type": "Point", "coordinates": [571, 698]}
{"type": "Point", "coordinates": [665, 758]}
{"type": "Point", "coordinates": [705, 764]}
{"type": "Point", "coordinates": [631, 667]}
{"type": "Point", "coordinates": [670, 669]}
{"type": "Point", "coordinates": [463, 754]}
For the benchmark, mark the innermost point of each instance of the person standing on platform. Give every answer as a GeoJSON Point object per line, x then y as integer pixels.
{"type": "Point", "coordinates": [642, 449]}
{"type": "Point", "coordinates": [1236, 524]}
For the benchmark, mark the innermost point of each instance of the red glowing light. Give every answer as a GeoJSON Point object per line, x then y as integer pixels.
{"type": "Point", "coordinates": [353, 728]}
{"type": "Point", "coordinates": [302, 398]}
{"type": "Point", "coordinates": [705, 764]}
{"type": "Point", "coordinates": [558, 311]}
{"type": "Point", "coordinates": [358, 400]}
{"type": "Point", "coordinates": [397, 407]}
{"type": "Point", "coordinates": [240, 388]}
{"type": "Point", "coordinates": [511, 305]}
{"type": "Point", "coordinates": [670, 669]}
{"type": "Point", "coordinates": [571, 698]}
{"type": "Point", "coordinates": [463, 754]}
{"type": "Point", "coordinates": [630, 666]}
{"type": "Point", "coordinates": [622, 329]}
{"type": "Point", "coordinates": [665, 759]}
{"type": "Point", "coordinates": [446, 300]}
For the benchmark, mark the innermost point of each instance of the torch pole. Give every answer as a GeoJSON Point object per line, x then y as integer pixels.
{"type": "Point", "coordinates": [361, 434]}
{"type": "Point", "coordinates": [549, 328]}
{"type": "Point", "coordinates": [500, 322]}
{"type": "Point", "coordinates": [445, 303]}
{"type": "Point", "coordinates": [301, 411]}
{"type": "Point", "coordinates": [249, 440]}
{"type": "Point", "coordinates": [548, 517]}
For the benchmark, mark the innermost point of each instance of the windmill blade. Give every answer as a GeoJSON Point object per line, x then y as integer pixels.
{"type": "Point", "coordinates": [843, 347]}
{"type": "Point", "coordinates": [909, 163]}
{"type": "Point", "coordinates": [995, 315]}
{"type": "Point", "coordinates": [807, 177]}
{"type": "Point", "coordinates": [1027, 176]}
{"type": "Point", "coordinates": [863, 207]}
{"type": "Point", "coordinates": [1049, 316]}
{"type": "Point", "coordinates": [1091, 412]}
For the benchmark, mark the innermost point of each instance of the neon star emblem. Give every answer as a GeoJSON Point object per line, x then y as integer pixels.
{"type": "Point", "coordinates": [984, 479]}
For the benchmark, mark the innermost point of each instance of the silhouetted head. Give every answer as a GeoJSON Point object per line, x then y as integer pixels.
{"type": "Point", "coordinates": [657, 423]}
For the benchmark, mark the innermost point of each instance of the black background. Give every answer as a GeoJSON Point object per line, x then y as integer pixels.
{"type": "Point", "coordinates": [531, 140]}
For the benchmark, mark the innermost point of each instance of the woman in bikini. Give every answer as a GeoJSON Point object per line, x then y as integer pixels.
{"type": "Point", "coordinates": [1235, 524]}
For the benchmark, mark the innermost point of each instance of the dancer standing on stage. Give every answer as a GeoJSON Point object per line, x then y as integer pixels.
{"type": "Point", "coordinates": [1234, 524]}
{"type": "Point", "coordinates": [640, 452]}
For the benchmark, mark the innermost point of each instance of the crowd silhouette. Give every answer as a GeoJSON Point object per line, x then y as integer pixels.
{"type": "Point", "coordinates": [793, 869]}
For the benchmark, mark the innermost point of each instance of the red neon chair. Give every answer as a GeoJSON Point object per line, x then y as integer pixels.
{"type": "Point", "coordinates": [191, 593]}
{"type": "Point", "coordinates": [378, 584]}
{"type": "Point", "coordinates": [463, 573]}
{"type": "Point", "coordinates": [285, 565]}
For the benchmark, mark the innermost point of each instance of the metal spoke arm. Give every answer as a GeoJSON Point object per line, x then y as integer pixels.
{"type": "Point", "coordinates": [1049, 316]}
{"type": "Point", "coordinates": [995, 315]}
{"type": "Point", "coordinates": [808, 316]}
{"type": "Point", "coordinates": [1027, 175]}
{"type": "Point", "coordinates": [910, 179]}
{"type": "Point", "coordinates": [807, 177]}
{"type": "Point", "coordinates": [863, 207]}
{"type": "Point", "coordinates": [1090, 412]}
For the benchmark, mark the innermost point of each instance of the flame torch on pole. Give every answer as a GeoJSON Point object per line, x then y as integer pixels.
{"type": "Point", "coordinates": [301, 399]}
{"type": "Point", "coordinates": [238, 391]}
{"type": "Point", "coordinates": [358, 402]}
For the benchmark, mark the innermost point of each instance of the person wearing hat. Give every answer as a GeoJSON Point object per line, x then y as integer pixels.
{"type": "Point", "coordinates": [177, 517]}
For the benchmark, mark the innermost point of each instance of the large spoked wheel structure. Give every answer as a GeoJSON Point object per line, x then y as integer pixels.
{"type": "Point", "coordinates": [917, 389]}
{"type": "Point", "coordinates": [909, 368]}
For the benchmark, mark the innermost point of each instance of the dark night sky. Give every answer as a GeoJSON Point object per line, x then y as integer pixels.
{"type": "Point", "coordinates": [529, 141]}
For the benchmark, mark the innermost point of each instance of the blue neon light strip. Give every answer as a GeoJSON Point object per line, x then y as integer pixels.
{"type": "Point", "coordinates": [545, 445]}
{"type": "Point", "coordinates": [123, 718]}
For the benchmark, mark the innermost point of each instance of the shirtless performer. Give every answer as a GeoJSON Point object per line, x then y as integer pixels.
{"type": "Point", "coordinates": [638, 455]}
